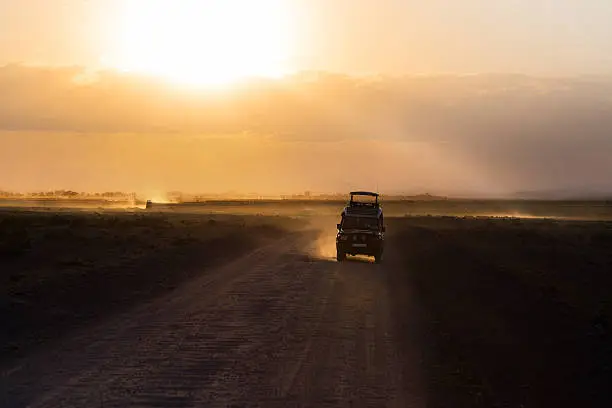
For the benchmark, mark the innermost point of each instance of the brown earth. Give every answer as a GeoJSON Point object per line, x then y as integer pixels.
{"type": "Point", "coordinates": [463, 312]}
{"type": "Point", "coordinates": [62, 269]}
{"type": "Point", "coordinates": [516, 312]}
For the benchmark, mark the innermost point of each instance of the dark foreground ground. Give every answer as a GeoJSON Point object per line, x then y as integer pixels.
{"type": "Point", "coordinates": [172, 309]}
{"type": "Point", "coordinates": [515, 312]}
{"type": "Point", "coordinates": [60, 270]}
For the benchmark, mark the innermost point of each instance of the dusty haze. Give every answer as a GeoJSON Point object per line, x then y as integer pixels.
{"type": "Point", "coordinates": [479, 134]}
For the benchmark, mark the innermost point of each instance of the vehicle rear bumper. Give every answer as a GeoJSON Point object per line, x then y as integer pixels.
{"type": "Point", "coordinates": [370, 248]}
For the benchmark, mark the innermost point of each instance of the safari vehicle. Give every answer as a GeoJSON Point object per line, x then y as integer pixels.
{"type": "Point", "coordinates": [361, 230]}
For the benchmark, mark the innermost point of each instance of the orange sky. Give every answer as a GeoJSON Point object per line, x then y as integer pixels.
{"type": "Point", "coordinates": [486, 134]}
{"type": "Point", "coordinates": [170, 108]}
{"type": "Point", "coordinates": [391, 36]}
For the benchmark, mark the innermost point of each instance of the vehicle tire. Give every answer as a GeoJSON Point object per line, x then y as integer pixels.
{"type": "Point", "coordinates": [340, 256]}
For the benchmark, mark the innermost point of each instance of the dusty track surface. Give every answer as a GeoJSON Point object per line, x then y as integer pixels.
{"type": "Point", "coordinates": [282, 326]}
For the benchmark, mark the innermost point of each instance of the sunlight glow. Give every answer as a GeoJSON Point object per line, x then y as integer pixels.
{"type": "Point", "coordinates": [204, 42]}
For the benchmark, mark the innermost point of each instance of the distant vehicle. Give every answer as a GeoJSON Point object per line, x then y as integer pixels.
{"type": "Point", "coordinates": [149, 204]}
{"type": "Point", "coordinates": [361, 230]}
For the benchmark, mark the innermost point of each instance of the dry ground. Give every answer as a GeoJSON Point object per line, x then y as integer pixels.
{"type": "Point", "coordinates": [516, 312]}
{"type": "Point", "coordinates": [62, 269]}
{"type": "Point", "coordinates": [181, 310]}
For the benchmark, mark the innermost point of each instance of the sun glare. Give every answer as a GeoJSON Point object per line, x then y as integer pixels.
{"type": "Point", "coordinates": [204, 42]}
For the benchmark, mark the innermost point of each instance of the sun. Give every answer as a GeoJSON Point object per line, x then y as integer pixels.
{"type": "Point", "coordinates": [204, 42]}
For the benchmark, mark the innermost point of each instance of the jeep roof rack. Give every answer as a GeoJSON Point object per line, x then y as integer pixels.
{"type": "Point", "coordinates": [358, 208]}
{"type": "Point", "coordinates": [366, 193]}
{"type": "Point", "coordinates": [353, 203]}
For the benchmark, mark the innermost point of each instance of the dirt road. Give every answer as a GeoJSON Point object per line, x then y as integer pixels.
{"type": "Point", "coordinates": [285, 325]}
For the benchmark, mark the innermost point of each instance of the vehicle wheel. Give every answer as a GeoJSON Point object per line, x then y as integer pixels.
{"type": "Point", "coordinates": [340, 256]}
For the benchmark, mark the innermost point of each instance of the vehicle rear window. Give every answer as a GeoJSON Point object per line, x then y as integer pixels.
{"type": "Point", "coordinates": [352, 222]}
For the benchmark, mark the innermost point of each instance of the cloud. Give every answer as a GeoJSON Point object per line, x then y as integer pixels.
{"type": "Point", "coordinates": [491, 132]}
{"type": "Point", "coordinates": [308, 107]}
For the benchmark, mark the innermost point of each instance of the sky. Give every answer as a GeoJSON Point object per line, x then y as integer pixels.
{"type": "Point", "coordinates": [472, 97]}
{"type": "Point", "coordinates": [544, 37]}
